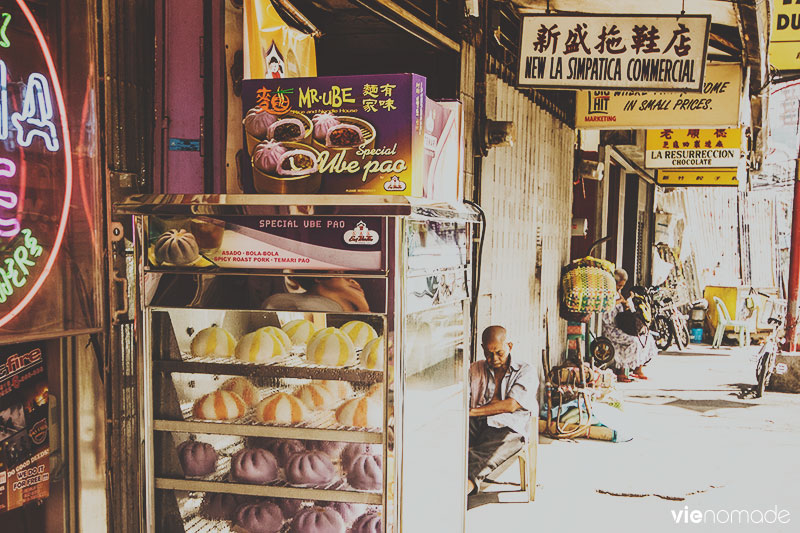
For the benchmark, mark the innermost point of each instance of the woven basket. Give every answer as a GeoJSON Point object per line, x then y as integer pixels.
{"type": "Point", "coordinates": [588, 289]}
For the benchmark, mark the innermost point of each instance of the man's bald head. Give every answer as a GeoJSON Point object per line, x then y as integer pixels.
{"type": "Point", "coordinates": [494, 333]}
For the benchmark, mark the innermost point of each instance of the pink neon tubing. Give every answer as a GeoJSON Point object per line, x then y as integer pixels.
{"type": "Point", "coordinates": [68, 159]}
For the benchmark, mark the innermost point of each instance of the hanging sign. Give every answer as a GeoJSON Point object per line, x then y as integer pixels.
{"type": "Point", "coordinates": [784, 38]}
{"type": "Point", "coordinates": [693, 148]}
{"type": "Point", "coordinates": [664, 52]}
{"type": "Point", "coordinates": [720, 177]}
{"type": "Point", "coordinates": [35, 160]}
{"type": "Point", "coordinates": [24, 431]}
{"type": "Point", "coordinates": [716, 107]}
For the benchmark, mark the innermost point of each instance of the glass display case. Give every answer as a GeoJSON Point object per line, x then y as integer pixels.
{"type": "Point", "coordinates": [303, 363]}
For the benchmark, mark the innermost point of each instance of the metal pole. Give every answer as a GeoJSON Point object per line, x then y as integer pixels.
{"type": "Point", "coordinates": [793, 296]}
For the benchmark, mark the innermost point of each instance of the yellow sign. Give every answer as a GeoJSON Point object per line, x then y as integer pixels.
{"type": "Point", "coordinates": [676, 148]}
{"type": "Point", "coordinates": [718, 177]}
{"type": "Point", "coordinates": [784, 46]}
{"type": "Point", "coordinates": [716, 107]}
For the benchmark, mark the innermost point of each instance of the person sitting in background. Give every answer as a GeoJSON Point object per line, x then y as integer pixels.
{"type": "Point", "coordinates": [631, 352]}
{"type": "Point", "coordinates": [502, 400]}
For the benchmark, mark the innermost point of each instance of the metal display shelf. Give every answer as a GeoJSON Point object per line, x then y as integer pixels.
{"type": "Point", "coordinates": [331, 495]}
{"type": "Point", "coordinates": [257, 430]}
{"type": "Point", "coordinates": [291, 367]}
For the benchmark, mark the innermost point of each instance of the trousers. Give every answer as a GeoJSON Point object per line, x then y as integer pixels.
{"type": "Point", "coordinates": [489, 447]}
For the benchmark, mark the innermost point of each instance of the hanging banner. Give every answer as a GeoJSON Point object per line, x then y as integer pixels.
{"type": "Point", "coordinates": [721, 177]}
{"type": "Point", "coordinates": [24, 433]}
{"type": "Point", "coordinates": [601, 51]}
{"type": "Point", "coordinates": [716, 107]}
{"type": "Point", "coordinates": [675, 148]}
{"type": "Point", "coordinates": [784, 38]}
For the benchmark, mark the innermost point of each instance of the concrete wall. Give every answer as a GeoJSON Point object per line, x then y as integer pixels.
{"type": "Point", "coordinates": [526, 191]}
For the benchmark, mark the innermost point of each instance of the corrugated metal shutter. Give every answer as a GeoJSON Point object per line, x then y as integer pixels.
{"type": "Point", "coordinates": [526, 191]}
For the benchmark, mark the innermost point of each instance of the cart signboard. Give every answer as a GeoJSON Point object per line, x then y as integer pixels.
{"type": "Point", "coordinates": [601, 51]}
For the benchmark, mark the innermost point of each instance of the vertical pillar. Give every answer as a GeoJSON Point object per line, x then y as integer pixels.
{"type": "Point", "coordinates": [794, 269]}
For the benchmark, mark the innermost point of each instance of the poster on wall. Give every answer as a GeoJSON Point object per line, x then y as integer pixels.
{"type": "Point", "coordinates": [24, 430]}
{"type": "Point", "coordinates": [716, 107]}
{"type": "Point", "coordinates": [601, 51]}
{"type": "Point", "coordinates": [693, 148]}
{"type": "Point", "coordinates": [784, 37]}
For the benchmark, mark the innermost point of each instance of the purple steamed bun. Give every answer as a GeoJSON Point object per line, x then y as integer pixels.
{"type": "Point", "coordinates": [263, 517]}
{"type": "Point", "coordinates": [297, 163]}
{"type": "Point", "coordinates": [220, 506]}
{"type": "Point", "coordinates": [354, 449]}
{"type": "Point", "coordinates": [289, 506]}
{"type": "Point", "coordinates": [332, 447]}
{"type": "Point", "coordinates": [254, 465]}
{"type": "Point", "coordinates": [197, 458]}
{"type": "Point", "coordinates": [318, 520]}
{"type": "Point", "coordinates": [344, 136]}
{"type": "Point", "coordinates": [267, 155]}
{"type": "Point", "coordinates": [348, 511]}
{"type": "Point", "coordinates": [368, 523]}
{"type": "Point", "coordinates": [282, 449]}
{"type": "Point", "coordinates": [366, 472]}
{"type": "Point", "coordinates": [322, 123]}
{"type": "Point", "coordinates": [310, 468]}
{"type": "Point", "coordinates": [257, 122]}
{"type": "Point", "coordinates": [286, 129]}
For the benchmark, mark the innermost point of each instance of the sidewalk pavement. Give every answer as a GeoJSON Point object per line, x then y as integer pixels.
{"type": "Point", "coordinates": [699, 444]}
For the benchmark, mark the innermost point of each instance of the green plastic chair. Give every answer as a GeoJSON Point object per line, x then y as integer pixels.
{"type": "Point", "coordinates": [725, 321]}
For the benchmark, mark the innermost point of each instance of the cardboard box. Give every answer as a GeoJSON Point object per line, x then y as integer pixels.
{"type": "Point", "coordinates": [335, 135]}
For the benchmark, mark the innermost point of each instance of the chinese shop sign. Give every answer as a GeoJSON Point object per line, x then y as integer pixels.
{"type": "Point", "coordinates": [716, 107]}
{"type": "Point", "coordinates": [693, 148]}
{"type": "Point", "coordinates": [664, 52]}
{"type": "Point", "coordinates": [721, 177]}
{"type": "Point", "coordinates": [35, 161]}
{"type": "Point", "coordinates": [784, 38]}
{"type": "Point", "coordinates": [24, 431]}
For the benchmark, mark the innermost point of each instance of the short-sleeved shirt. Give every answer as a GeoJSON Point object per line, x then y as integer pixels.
{"type": "Point", "coordinates": [519, 383]}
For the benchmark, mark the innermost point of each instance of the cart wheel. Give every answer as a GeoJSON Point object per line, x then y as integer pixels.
{"type": "Point", "coordinates": [602, 351]}
{"type": "Point", "coordinates": [661, 326]}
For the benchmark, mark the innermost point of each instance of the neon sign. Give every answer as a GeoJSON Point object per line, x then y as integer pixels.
{"type": "Point", "coordinates": [37, 141]}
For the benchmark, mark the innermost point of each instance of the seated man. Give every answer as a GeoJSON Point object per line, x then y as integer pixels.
{"type": "Point", "coordinates": [502, 399]}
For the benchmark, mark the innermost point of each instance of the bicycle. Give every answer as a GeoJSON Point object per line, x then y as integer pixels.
{"type": "Point", "coordinates": [767, 355]}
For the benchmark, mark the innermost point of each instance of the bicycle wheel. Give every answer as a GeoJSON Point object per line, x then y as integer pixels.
{"type": "Point", "coordinates": [661, 326]}
{"type": "Point", "coordinates": [766, 363]}
{"type": "Point", "coordinates": [677, 338]}
{"type": "Point", "coordinates": [683, 330]}
{"type": "Point", "coordinates": [602, 352]}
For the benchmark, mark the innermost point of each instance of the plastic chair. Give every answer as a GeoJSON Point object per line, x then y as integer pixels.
{"type": "Point", "coordinates": [725, 321]}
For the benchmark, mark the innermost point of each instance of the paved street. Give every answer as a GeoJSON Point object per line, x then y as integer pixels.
{"type": "Point", "coordinates": [696, 444]}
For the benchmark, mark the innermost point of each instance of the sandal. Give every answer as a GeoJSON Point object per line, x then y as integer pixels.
{"type": "Point", "coordinates": [622, 378]}
{"type": "Point", "coordinates": [639, 376]}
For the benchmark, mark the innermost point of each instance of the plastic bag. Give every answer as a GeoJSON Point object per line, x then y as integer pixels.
{"type": "Point", "coordinates": [272, 48]}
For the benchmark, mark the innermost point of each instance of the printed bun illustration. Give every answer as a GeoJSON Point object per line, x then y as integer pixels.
{"type": "Point", "coordinates": [323, 122]}
{"type": "Point", "coordinates": [254, 465]}
{"type": "Point", "coordinates": [299, 331]}
{"type": "Point", "coordinates": [368, 523]}
{"type": "Point", "coordinates": [331, 347]}
{"type": "Point", "coordinates": [280, 335]}
{"type": "Point", "coordinates": [281, 408]}
{"type": "Point", "coordinates": [257, 122]}
{"type": "Point", "coordinates": [259, 347]}
{"type": "Point", "coordinates": [176, 246]}
{"type": "Point", "coordinates": [360, 412]}
{"type": "Point", "coordinates": [316, 396]}
{"type": "Point", "coordinates": [317, 520]}
{"type": "Point", "coordinates": [219, 405]}
{"type": "Point", "coordinates": [295, 163]}
{"type": "Point", "coordinates": [359, 332]}
{"type": "Point", "coordinates": [341, 389]}
{"type": "Point", "coordinates": [262, 517]}
{"type": "Point", "coordinates": [310, 469]}
{"type": "Point", "coordinates": [365, 472]}
{"type": "Point", "coordinates": [344, 136]}
{"type": "Point", "coordinates": [287, 129]}
{"type": "Point", "coordinates": [372, 355]}
{"type": "Point", "coordinates": [197, 458]}
{"type": "Point", "coordinates": [213, 342]}
{"type": "Point", "coordinates": [267, 155]}
{"type": "Point", "coordinates": [244, 388]}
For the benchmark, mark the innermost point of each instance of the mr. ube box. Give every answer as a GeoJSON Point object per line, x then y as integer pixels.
{"type": "Point", "coordinates": [335, 135]}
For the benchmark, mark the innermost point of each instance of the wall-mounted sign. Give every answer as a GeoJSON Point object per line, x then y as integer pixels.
{"type": "Point", "coordinates": [716, 107]}
{"type": "Point", "coordinates": [690, 177]}
{"type": "Point", "coordinates": [664, 52]}
{"type": "Point", "coordinates": [35, 160]}
{"type": "Point", "coordinates": [693, 148]}
{"type": "Point", "coordinates": [24, 431]}
{"type": "Point", "coordinates": [784, 38]}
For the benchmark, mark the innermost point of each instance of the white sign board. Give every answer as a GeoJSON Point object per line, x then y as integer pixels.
{"type": "Point", "coordinates": [663, 52]}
